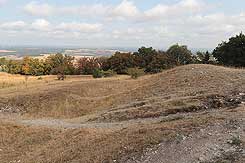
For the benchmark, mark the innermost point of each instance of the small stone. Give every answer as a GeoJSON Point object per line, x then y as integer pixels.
{"type": "Point", "coordinates": [201, 159]}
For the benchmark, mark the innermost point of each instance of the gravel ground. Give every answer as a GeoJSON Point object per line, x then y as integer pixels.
{"type": "Point", "coordinates": [216, 143]}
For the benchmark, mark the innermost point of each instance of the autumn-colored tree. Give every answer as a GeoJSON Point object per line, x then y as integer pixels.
{"type": "Point", "coordinates": [87, 65]}
{"type": "Point", "coordinates": [26, 67]}
{"type": "Point", "coordinates": [33, 66]}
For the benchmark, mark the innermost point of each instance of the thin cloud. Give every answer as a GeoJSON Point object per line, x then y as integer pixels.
{"type": "Point", "coordinates": [42, 25]}
{"type": "Point", "coordinates": [186, 21]}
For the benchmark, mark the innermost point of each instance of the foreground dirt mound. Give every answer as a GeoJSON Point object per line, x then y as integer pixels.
{"type": "Point", "coordinates": [193, 113]}
{"type": "Point", "coordinates": [221, 142]}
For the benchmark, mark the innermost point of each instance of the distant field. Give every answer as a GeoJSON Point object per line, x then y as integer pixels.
{"type": "Point", "coordinates": [7, 51]}
{"type": "Point", "coordinates": [18, 53]}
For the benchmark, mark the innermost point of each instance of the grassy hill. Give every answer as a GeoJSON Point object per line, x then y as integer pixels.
{"type": "Point", "coordinates": [117, 119]}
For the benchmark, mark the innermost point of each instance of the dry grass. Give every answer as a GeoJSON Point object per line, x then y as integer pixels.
{"type": "Point", "coordinates": [29, 144]}
{"type": "Point", "coordinates": [76, 96]}
{"type": "Point", "coordinates": [8, 80]}
{"type": "Point", "coordinates": [21, 82]}
{"type": "Point", "coordinates": [79, 96]}
{"type": "Point", "coordinates": [119, 99]}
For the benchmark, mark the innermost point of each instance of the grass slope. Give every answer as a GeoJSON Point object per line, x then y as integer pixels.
{"type": "Point", "coordinates": [147, 111]}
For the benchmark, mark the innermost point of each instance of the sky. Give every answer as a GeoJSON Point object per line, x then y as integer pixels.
{"type": "Point", "coordinates": [120, 23]}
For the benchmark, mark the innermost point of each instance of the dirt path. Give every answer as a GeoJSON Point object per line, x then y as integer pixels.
{"type": "Point", "coordinates": [76, 123]}
{"type": "Point", "coordinates": [215, 142]}
{"type": "Point", "coordinates": [85, 121]}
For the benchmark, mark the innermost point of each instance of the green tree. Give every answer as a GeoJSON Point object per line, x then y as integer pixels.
{"type": "Point", "coordinates": [14, 66]}
{"type": "Point", "coordinates": [180, 53]}
{"type": "Point", "coordinates": [120, 62]}
{"type": "Point", "coordinates": [3, 63]}
{"type": "Point", "coordinates": [144, 56]}
{"type": "Point", "coordinates": [103, 61]}
{"type": "Point", "coordinates": [206, 58]}
{"type": "Point", "coordinates": [231, 53]}
{"type": "Point", "coordinates": [59, 64]}
{"type": "Point", "coordinates": [152, 61]}
{"type": "Point", "coordinates": [159, 62]}
{"type": "Point", "coordinates": [203, 57]}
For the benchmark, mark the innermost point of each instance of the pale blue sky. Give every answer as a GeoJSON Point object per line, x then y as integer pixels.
{"type": "Point", "coordinates": [120, 23]}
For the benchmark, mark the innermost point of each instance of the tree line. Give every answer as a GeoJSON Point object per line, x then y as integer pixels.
{"type": "Point", "coordinates": [53, 64]}
{"type": "Point", "coordinates": [146, 59]}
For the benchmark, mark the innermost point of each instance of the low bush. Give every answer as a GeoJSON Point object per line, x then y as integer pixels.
{"type": "Point", "coordinates": [60, 76]}
{"type": "Point", "coordinates": [40, 78]}
{"type": "Point", "coordinates": [236, 141]}
{"type": "Point", "coordinates": [98, 73]}
{"type": "Point", "coordinates": [135, 72]}
{"type": "Point", "coordinates": [109, 73]}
